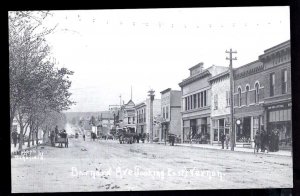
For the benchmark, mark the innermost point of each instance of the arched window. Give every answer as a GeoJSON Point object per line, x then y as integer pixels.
{"type": "Point", "coordinates": [256, 93]}
{"type": "Point", "coordinates": [246, 96]}
{"type": "Point", "coordinates": [240, 96]}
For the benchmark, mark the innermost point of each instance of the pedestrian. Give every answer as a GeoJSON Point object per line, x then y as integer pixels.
{"type": "Point", "coordinates": [276, 138]}
{"type": "Point", "coordinates": [222, 139]}
{"type": "Point", "coordinates": [83, 137]}
{"type": "Point", "coordinates": [257, 141]}
{"type": "Point", "coordinates": [52, 137]}
{"type": "Point", "coordinates": [227, 138]}
{"type": "Point", "coordinates": [262, 140]}
{"type": "Point", "coordinates": [15, 137]}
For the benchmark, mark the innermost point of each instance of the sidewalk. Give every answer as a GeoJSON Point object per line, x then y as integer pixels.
{"type": "Point", "coordinates": [14, 149]}
{"type": "Point", "coordinates": [237, 149]}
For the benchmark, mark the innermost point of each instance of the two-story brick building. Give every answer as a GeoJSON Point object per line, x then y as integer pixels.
{"type": "Point", "coordinates": [278, 100]}
{"type": "Point", "coordinates": [196, 100]}
{"type": "Point", "coordinates": [170, 113]}
{"type": "Point", "coordinates": [248, 99]}
{"type": "Point", "coordinates": [142, 112]}
{"type": "Point", "coordinates": [220, 105]}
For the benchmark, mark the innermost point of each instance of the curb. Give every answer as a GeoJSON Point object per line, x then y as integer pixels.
{"type": "Point", "coordinates": [234, 151]}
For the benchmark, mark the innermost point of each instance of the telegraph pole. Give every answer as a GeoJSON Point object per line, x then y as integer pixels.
{"type": "Point", "coordinates": [232, 124]}
{"type": "Point", "coordinates": [151, 95]}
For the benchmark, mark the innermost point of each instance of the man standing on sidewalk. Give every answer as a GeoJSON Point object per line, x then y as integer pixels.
{"type": "Point", "coordinates": [227, 140]}
{"type": "Point", "coordinates": [257, 140]}
{"type": "Point", "coordinates": [222, 139]}
{"type": "Point", "coordinates": [14, 137]}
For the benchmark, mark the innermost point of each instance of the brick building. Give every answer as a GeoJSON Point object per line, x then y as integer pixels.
{"type": "Point", "coordinates": [248, 99]}
{"type": "Point", "coordinates": [277, 100]}
{"type": "Point", "coordinates": [196, 96]}
{"type": "Point", "coordinates": [170, 113]}
{"type": "Point", "coordinates": [220, 105]}
{"type": "Point", "coordinates": [142, 112]}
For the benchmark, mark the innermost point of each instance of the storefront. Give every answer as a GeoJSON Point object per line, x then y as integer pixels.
{"type": "Point", "coordinates": [246, 127]}
{"type": "Point", "coordinates": [219, 126]}
{"type": "Point", "coordinates": [165, 131]}
{"type": "Point", "coordinates": [279, 122]}
{"type": "Point", "coordinates": [197, 129]}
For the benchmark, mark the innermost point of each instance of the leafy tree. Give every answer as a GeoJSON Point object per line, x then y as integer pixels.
{"type": "Point", "coordinates": [37, 88]}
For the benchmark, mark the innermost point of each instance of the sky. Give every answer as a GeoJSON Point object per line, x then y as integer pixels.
{"type": "Point", "coordinates": [112, 50]}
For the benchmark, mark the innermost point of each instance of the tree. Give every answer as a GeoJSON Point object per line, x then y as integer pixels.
{"type": "Point", "coordinates": [37, 88]}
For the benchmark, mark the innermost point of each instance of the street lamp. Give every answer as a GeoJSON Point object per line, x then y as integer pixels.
{"type": "Point", "coordinates": [151, 95]}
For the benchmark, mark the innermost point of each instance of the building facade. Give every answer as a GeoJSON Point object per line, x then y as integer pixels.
{"type": "Point", "coordinates": [220, 106]}
{"type": "Point", "coordinates": [170, 113]}
{"type": "Point", "coordinates": [248, 100]}
{"type": "Point", "coordinates": [126, 117]}
{"type": "Point", "coordinates": [142, 112]}
{"type": "Point", "coordinates": [196, 96]}
{"type": "Point", "coordinates": [278, 98]}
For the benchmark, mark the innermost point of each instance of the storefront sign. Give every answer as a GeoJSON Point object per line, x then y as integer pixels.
{"type": "Point", "coordinates": [280, 106]}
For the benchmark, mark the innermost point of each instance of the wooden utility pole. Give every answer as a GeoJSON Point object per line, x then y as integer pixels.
{"type": "Point", "coordinates": [232, 124]}
{"type": "Point", "coordinates": [151, 95]}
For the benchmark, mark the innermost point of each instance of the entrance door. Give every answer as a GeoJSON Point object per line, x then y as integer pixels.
{"type": "Point", "coordinates": [244, 131]}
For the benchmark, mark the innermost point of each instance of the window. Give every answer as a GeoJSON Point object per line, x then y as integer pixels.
{"type": "Point", "coordinates": [201, 99]}
{"type": "Point", "coordinates": [246, 96]}
{"type": "Point", "coordinates": [227, 98]}
{"type": "Point", "coordinates": [128, 120]}
{"type": "Point", "coordinates": [216, 101]}
{"type": "Point", "coordinates": [144, 117]}
{"type": "Point", "coordinates": [195, 101]}
{"type": "Point", "coordinates": [256, 93]}
{"type": "Point", "coordinates": [167, 112]}
{"type": "Point", "coordinates": [137, 117]}
{"type": "Point", "coordinates": [191, 98]}
{"type": "Point", "coordinates": [164, 112]}
{"type": "Point", "coordinates": [272, 84]}
{"type": "Point", "coordinates": [284, 81]}
{"type": "Point", "coordinates": [240, 96]}
{"type": "Point", "coordinates": [186, 107]}
{"type": "Point", "coordinates": [204, 98]}
{"type": "Point", "coordinates": [198, 100]}
{"type": "Point", "coordinates": [133, 119]}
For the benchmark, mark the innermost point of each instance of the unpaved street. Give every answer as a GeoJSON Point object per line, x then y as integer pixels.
{"type": "Point", "coordinates": [110, 166]}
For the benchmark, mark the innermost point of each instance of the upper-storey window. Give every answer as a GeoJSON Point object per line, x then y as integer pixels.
{"type": "Point", "coordinates": [272, 84]}
{"type": "Point", "coordinates": [256, 93]}
{"type": "Point", "coordinates": [240, 96]}
{"type": "Point", "coordinates": [284, 81]}
{"type": "Point", "coordinates": [246, 95]}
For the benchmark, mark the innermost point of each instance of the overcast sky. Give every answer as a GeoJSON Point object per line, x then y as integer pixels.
{"type": "Point", "coordinates": [110, 50]}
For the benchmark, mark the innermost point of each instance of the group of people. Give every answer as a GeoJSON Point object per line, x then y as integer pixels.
{"type": "Point", "coordinates": [225, 138]}
{"type": "Point", "coordinates": [266, 141]}
{"type": "Point", "coordinates": [54, 135]}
